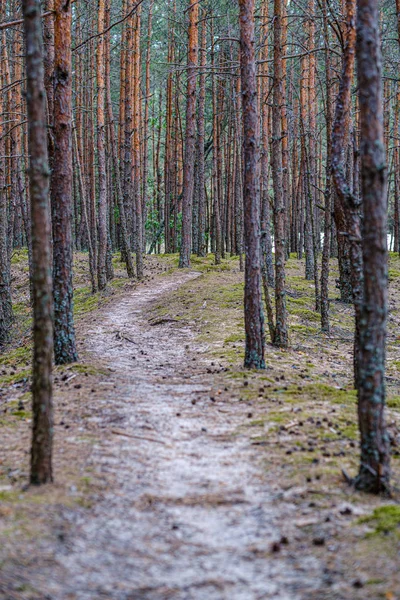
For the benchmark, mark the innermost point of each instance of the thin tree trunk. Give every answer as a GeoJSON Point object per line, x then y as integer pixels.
{"type": "Point", "coordinates": [200, 145]}
{"type": "Point", "coordinates": [266, 238]}
{"type": "Point", "coordinates": [188, 170]}
{"type": "Point", "coordinates": [325, 326]}
{"type": "Point", "coordinates": [6, 313]}
{"type": "Point", "coordinates": [84, 209]}
{"type": "Point", "coordinates": [135, 148]}
{"type": "Point", "coordinates": [101, 152]}
{"type": "Point", "coordinates": [146, 120]}
{"type": "Point", "coordinates": [126, 251]}
{"type": "Point", "coordinates": [281, 333]}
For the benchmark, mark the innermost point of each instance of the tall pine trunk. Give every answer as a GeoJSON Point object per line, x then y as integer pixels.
{"type": "Point", "coordinates": [374, 474]}
{"type": "Point", "coordinates": [188, 169]}
{"type": "Point", "coordinates": [42, 404]}
{"type": "Point", "coordinates": [253, 312]}
{"type": "Point", "coordinates": [61, 187]}
{"type": "Point", "coordinates": [5, 290]}
{"type": "Point", "coordinates": [281, 333]}
{"type": "Point", "coordinates": [101, 151]}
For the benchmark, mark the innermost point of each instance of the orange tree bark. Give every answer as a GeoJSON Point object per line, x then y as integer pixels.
{"type": "Point", "coordinates": [136, 171]}
{"type": "Point", "coordinates": [266, 238]}
{"type": "Point", "coordinates": [188, 170]}
{"type": "Point", "coordinates": [61, 187]}
{"type": "Point", "coordinates": [168, 145]}
{"type": "Point", "coordinates": [215, 228]}
{"type": "Point", "coordinates": [339, 208]}
{"type": "Point", "coordinates": [253, 313]}
{"type": "Point", "coordinates": [48, 44]}
{"type": "Point", "coordinates": [124, 235]}
{"type": "Point", "coordinates": [201, 246]}
{"type": "Point", "coordinates": [374, 473]}
{"type": "Point", "coordinates": [5, 291]}
{"type": "Point", "coordinates": [281, 333]}
{"type": "Point", "coordinates": [42, 406]}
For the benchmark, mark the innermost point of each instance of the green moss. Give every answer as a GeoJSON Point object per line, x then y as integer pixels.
{"type": "Point", "coordinates": [117, 260]}
{"type": "Point", "coordinates": [235, 337]}
{"type": "Point", "coordinates": [19, 256]}
{"type": "Point", "coordinates": [306, 314]}
{"type": "Point", "coordinates": [21, 414]}
{"type": "Point", "coordinates": [87, 369]}
{"type": "Point", "coordinates": [118, 282]}
{"type": "Point", "coordinates": [318, 392]}
{"type": "Point", "coordinates": [229, 355]}
{"type": "Point", "coordinates": [207, 264]}
{"type": "Point", "coordinates": [258, 422]}
{"type": "Point", "coordinates": [9, 496]}
{"type": "Point", "coordinates": [393, 274]}
{"type": "Point", "coordinates": [85, 301]}
{"type": "Point", "coordinates": [304, 329]}
{"type": "Point", "coordinates": [227, 296]}
{"type": "Point", "coordinates": [385, 519]}
{"type": "Point", "coordinates": [394, 402]}
{"type": "Point", "coordinates": [351, 432]}
{"type": "Point", "coordinates": [19, 357]}
{"type": "Point", "coordinates": [297, 301]}
{"type": "Point", "coordinates": [15, 377]}
{"type": "Point", "coordinates": [277, 417]}
{"type": "Point", "coordinates": [300, 283]}
{"type": "Point", "coordinates": [21, 309]}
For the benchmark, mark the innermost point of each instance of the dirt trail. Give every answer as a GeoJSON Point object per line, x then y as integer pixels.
{"type": "Point", "coordinates": [190, 516]}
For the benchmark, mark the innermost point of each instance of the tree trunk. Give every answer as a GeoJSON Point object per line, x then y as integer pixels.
{"type": "Point", "coordinates": [325, 325]}
{"type": "Point", "coordinates": [6, 313]}
{"type": "Point", "coordinates": [188, 172]}
{"type": "Point", "coordinates": [146, 121]}
{"type": "Point", "coordinates": [42, 404]}
{"type": "Point", "coordinates": [61, 188]}
{"type": "Point", "coordinates": [101, 152]}
{"type": "Point", "coordinates": [281, 333]}
{"type": "Point", "coordinates": [135, 148]}
{"type": "Point", "coordinates": [201, 195]}
{"type": "Point", "coordinates": [266, 238]}
{"type": "Point", "coordinates": [346, 198]}
{"type": "Point", "coordinates": [126, 251]}
{"type": "Point", "coordinates": [253, 312]}
{"type": "Point", "coordinates": [374, 474]}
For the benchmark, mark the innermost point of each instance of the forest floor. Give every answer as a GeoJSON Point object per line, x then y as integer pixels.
{"type": "Point", "coordinates": [178, 474]}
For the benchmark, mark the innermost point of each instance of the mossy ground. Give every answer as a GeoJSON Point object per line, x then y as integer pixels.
{"type": "Point", "coordinates": [302, 408]}
{"type": "Point", "coordinates": [385, 520]}
{"type": "Point", "coordinates": [300, 412]}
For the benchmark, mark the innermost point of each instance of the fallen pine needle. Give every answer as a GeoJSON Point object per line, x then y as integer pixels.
{"type": "Point", "coordinates": [137, 437]}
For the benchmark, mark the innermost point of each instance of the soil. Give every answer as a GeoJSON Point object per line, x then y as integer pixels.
{"type": "Point", "coordinates": [161, 492]}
